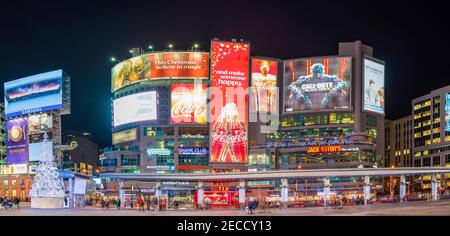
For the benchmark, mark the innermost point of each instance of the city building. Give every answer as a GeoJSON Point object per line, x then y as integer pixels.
{"type": "Point", "coordinates": [174, 137]}
{"type": "Point", "coordinates": [398, 142]}
{"type": "Point", "coordinates": [32, 112]}
{"type": "Point", "coordinates": [328, 113]}
{"type": "Point", "coordinates": [431, 136]}
{"type": "Point", "coordinates": [82, 156]}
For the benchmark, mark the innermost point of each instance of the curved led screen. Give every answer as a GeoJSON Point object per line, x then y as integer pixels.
{"type": "Point", "coordinates": [165, 65]}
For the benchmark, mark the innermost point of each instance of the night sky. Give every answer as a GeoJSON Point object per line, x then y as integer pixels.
{"type": "Point", "coordinates": [80, 37]}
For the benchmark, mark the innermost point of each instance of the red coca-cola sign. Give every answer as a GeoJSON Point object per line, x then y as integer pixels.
{"type": "Point", "coordinates": [188, 104]}
{"type": "Point", "coordinates": [242, 137]}
{"type": "Point", "coordinates": [229, 121]}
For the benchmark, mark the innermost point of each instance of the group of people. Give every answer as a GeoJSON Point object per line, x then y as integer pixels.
{"type": "Point", "coordinates": [149, 204]}
{"type": "Point", "coordinates": [339, 202]}
{"type": "Point", "coordinates": [9, 203]}
{"type": "Point", "coordinates": [107, 202]}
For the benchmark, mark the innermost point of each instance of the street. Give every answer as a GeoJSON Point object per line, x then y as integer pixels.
{"type": "Point", "coordinates": [426, 208]}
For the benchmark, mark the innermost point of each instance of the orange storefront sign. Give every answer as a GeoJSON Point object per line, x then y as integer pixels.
{"type": "Point", "coordinates": [324, 149]}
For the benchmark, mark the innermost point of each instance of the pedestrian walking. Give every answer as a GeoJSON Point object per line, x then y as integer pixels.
{"type": "Point", "coordinates": [149, 204]}
{"type": "Point", "coordinates": [175, 205]}
{"type": "Point", "coordinates": [140, 203]}
{"type": "Point", "coordinates": [118, 204]}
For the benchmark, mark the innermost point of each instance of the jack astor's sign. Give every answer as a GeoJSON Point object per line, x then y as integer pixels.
{"type": "Point", "coordinates": [324, 149]}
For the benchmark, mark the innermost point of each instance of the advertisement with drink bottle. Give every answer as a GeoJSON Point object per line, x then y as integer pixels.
{"type": "Point", "coordinates": [229, 118]}
{"type": "Point", "coordinates": [188, 104]}
{"type": "Point", "coordinates": [264, 85]}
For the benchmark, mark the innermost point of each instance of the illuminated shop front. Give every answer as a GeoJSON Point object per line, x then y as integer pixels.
{"type": "Point", "coordinates": [220, 195]}
{"type": "Point", "coordinates": [193, 149]}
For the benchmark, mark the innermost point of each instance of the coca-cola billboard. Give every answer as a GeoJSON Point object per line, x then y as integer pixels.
{"type": "Point", "coordinates": [229, 102]}
{"type": "Point", "coordinates": [264, 85]}
{"type": "Point", "coordinates": [188, 104]}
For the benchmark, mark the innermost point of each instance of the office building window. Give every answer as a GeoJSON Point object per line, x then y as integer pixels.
{"type": "Point", "coordinates": [426, 161]}
{"type": "Point", "coordinates": [436, 160]}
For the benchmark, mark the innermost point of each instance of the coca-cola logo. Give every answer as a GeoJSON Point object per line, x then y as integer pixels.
{"type": "Point", "coordinates": [186, 110]}
{"type": "Point", "coordinates": [264, 84]}
{"type": "Point", "coordinates": [226, 138]}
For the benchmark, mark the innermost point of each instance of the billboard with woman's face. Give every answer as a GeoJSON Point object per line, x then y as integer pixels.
{"type": "Point", "coordinates": [373, 86]}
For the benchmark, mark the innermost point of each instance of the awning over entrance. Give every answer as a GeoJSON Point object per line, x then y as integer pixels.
{"type": "Point", "coordinates": [286, 174]}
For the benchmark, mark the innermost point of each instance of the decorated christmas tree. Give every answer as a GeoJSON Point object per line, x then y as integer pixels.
{"type": "Point", "coordinates": [46, 183]}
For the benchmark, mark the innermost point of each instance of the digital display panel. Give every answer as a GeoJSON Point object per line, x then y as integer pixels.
{"type": "Point", "coordinates": [373, 86]}
{"type": "Point", "coordinates": [124, 136]}
{"type": "Point", "coordinates": [165, 65]}
{"type": "Point", "coordinates": [317, 84]}
{"type": "Point", "coordinates": [229, 102]}
{"type": "Point", "coordinates": [37, 93]}
{"type": "Point", "coordinates": [264, 85]}
{"type": "Point", "coordinates": [38, 125]}
{"type": "Point", "coordinates": [17, 141]}
{"type": "Point", "coordinates": [135, 108]}
{"type": "Point", "coordinates": [447, 112]}
{"type": "Point", "coordinates": [188, 104]}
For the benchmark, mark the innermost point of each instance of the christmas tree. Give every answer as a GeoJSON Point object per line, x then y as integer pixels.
{"type": "Point", "coordinates": [46, 183]}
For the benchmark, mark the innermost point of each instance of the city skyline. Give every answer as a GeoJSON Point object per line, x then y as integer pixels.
{"type": "Point", "coordinates": [81, 38]}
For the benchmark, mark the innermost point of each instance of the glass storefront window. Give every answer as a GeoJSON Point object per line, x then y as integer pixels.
{"type": "Point", "coordinates": [261, 159]}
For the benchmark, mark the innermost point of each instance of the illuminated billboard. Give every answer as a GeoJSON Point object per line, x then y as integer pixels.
{"type": "Point", "coordinates": [42, 92]}
{"type": "Point", "coordinates": [447, 112]}
{"type": "Point", "coordinates": [229, 102]}
{"type": "Point", "coordinates": [17, 141]}
{"type": "Point", "coordinates": [35, 151]}
{"type": "Point", "coordinates": [164, 65]}
{"type": "Point", "coordinates": [264, 85]}
{"type": "Point", "coordinates": [188, 104]}
{"type": "Point", "coordinates": [125, 136]}
{"type": "Point", "coordinates": [135, 108]}
{"type": "Point", "coordinates": [373, 86]}
{"type": "Point", "coordinates": [317, 84]}
{"type": "Point", "coordinates": [38, 125]}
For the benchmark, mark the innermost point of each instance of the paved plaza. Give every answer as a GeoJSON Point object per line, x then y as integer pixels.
{"type": "Point", "coordinates": [428, 208]}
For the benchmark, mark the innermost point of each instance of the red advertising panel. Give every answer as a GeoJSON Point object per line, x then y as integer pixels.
{"type": "Point", "coordinates": [229, 102]}
{"type": "Point", "coordinates": [179, 65]}
{"type": "Point", "coordinates": [264, 85]}
{"type": "Point", "coordinates": [188, 104]}
{"type": "Point", "coordinates": [174, 65]}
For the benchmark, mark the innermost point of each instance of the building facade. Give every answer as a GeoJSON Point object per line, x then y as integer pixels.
{"type": "Point", "coordinates": [431, 140]}
{"type": "Point", "coordinates": [398, 141]}
{"type": "Point", "coordinates": [82, 155]}
{"type": "Point", "coordinates": [327, 114]}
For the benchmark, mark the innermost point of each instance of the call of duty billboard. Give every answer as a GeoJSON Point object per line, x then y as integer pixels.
{"type": "Point", "coordinates": [317, 84]}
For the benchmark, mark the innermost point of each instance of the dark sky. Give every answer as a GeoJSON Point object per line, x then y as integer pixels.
{"type": "Point", "coordinates": [80, 37]}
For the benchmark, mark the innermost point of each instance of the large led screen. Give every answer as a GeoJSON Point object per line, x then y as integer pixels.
{"type": "Point", "coordinates": [165, 65]}
{"type": "Point", "coordinates": [135, 108]}
{"type": "Point", "coordinates": [264, 85]}
{"type": "Point", "coordinates": [317, 84]}
{"type": "Point", "coordinates": [42, 92]}
{"type": "Point", "coordinates": [229, 102]}
{"type": "Point", "coordinates": [447, 112]}
{"type": "Point", "coordinates": [373, 86]}
{"type": "Point", "coordinates": [17, 141]}
{"type": "Point", "coordinates": [188, 104]}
